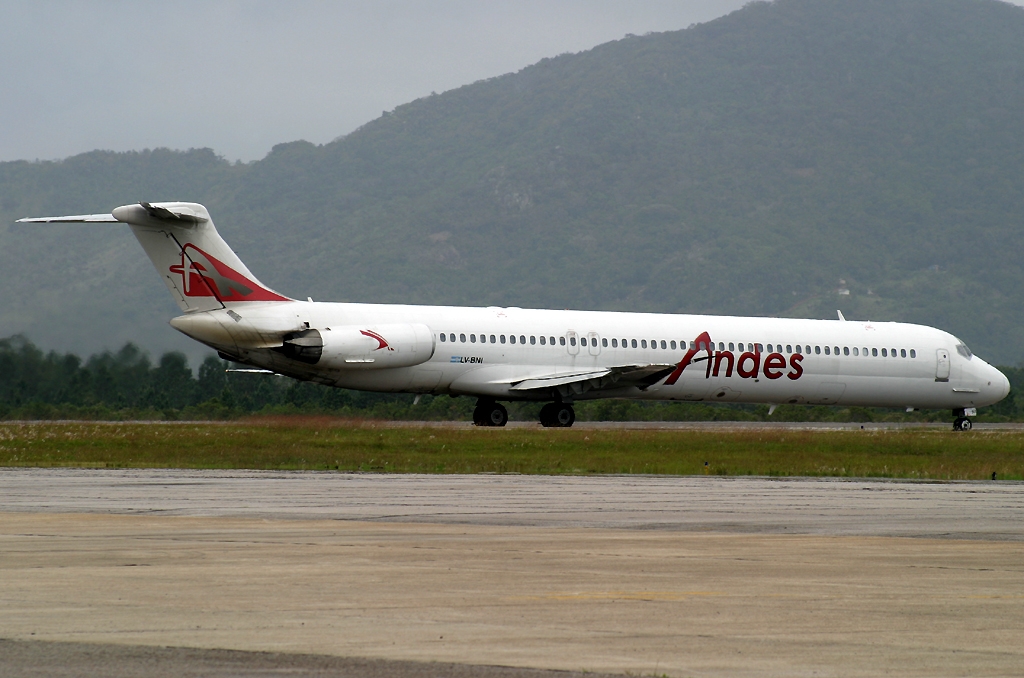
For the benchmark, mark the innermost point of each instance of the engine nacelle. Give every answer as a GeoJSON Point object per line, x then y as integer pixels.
{"type": "Point", "coordinates": [354, 347]}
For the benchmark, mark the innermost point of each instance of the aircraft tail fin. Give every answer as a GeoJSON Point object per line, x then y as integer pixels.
{"type": "Point", "coordinates": [200, 270]}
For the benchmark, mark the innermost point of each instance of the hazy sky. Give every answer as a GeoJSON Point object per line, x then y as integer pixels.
{"type": "Point", "coordinates": [240, 77]}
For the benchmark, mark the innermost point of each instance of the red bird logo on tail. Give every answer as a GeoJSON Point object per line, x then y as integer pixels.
{"type": "Point", "coordinates": [203, 275]}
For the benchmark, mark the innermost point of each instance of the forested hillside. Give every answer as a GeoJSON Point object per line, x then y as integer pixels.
{"type": "Point", "coordinates": [788, 159]}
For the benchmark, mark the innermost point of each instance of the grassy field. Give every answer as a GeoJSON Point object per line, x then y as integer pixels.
{"type": "Point", "coordinates": [338, 445]}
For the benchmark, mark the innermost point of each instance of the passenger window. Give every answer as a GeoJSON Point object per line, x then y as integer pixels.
{"type": "Point", "coordinates": [634, 343]}
{"type": "Point", "coordinates": [693, 345]}
{"type": "Point", "coordinates": [643, 343]}
{"type": "Point", "coordinates": [874, 352]}
{"type": "Point", "coordinates": [561, 340]}
{"type": "Point", "coordinates": [492, 339]}
{"type": "Point", "coordinates": [543, 341]}
{"type": "Point", "coordinates": [884, 354]}
{"type": "Point", "coordinates": [846, 350]}
{"type": "Point", "coordinates": [913, 353]}
{"type": "Point", "coordinates": [462, 338]}
{"type": "Point", "coordinates": [511, 338]}
{"type": "Point", "coordinates": [472, 338]}
{"type": "Point", "coordinates": [572, 341]}
{"type": "Point", "coordinates": [664, 344]}
{"type": "Point", "coordinates": [551, 340]}
{"type": "Point", "coordinates": [789, 348]}
{"type": "Point", "coordinates": [817, 349]}
{"type": "Point", "coordinates": [615, 343]}
{"type": "Point", "coordinates": [892, 352]}
{"type": "Point", "coordinates": [855, 351]}
{"type": "Point", "coordinates": [827, 351]}
{"type": "Point", "coordinates": [444, 337]}
{"type": "Point", "coordinates": [604, 343]}
{"type": "Point", "coordinates": [533, 339]}
{"type": "Point", "coordinates": [732, 347]}
{"type": "Point", "coordinates": [673, 344]}
{"type": "Point", "coordinates": [583, 341]}
{"type": "Point", "coordinates": [807, 350]}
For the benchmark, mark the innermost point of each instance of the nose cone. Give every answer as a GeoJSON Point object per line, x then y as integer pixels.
{"type": "Point", "coordinates": [994, 387]}
{"type": "Point", "coordinates": [1003, 384]}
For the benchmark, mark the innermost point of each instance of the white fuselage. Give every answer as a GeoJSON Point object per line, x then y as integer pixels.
{"type": "Point", "coordinates": [749, 360]}
{"type": "Point", "coordinates": [544, 355]}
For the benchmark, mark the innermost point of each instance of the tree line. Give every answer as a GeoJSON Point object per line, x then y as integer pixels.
{"type": "Point", "coordinates": [127, 384]}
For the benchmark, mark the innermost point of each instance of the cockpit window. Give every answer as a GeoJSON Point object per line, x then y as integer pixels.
{"type": "Point", "coordinates": [962, 349]}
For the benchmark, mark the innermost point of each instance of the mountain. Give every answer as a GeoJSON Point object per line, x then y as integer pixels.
{"type": "Point", "coordinates": [790, 159]}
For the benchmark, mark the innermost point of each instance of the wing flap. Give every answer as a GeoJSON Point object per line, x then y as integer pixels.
{"type": "Point", "coordinates": [552, 380]}
{"type": "Point", "coordinates": [617, 376]}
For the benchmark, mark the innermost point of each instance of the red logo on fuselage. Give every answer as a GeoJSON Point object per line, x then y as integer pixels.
{"type": "Point", "coordinates": [748, 366]}
{"type": "Point", "coordinates": [381, 341]}
{"type": "Point", "coordinates": [205, 276]}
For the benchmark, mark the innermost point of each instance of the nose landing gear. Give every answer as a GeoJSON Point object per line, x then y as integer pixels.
{"type": "Point", "coordinates": [961, 422]}
{"type": "Point", "coordinates": [557, 415]}
{"type": "Point", "coordinates": [489, 413]}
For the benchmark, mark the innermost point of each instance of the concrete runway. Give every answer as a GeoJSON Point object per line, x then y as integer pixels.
{"type": "Point", "coordinates": [966, 510]}
{"type": "Point", "coordinates": [646, 575]}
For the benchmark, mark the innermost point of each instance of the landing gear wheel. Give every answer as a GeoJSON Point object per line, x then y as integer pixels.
{"type": "Point", "coordinates": [490, 414]}
{"type": "Point", "coordinates": [557, 415]}
{"type": "Point", "coordinates": [962, 424]}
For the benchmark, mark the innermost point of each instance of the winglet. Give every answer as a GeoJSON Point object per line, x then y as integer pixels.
{"type": "Point", "coordinates": [841, 315]}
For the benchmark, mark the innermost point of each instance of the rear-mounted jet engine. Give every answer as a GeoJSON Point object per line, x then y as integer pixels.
{"type": "Point", "coordinates": [354, 347]}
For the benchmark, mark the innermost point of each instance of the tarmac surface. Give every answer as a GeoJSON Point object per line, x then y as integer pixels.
{"type": "Point", "coordinates": [823, 506]}
{"type": "Point", "coordinates": [167, 572]}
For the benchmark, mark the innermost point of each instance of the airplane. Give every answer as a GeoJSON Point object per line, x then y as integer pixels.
{"type": "Point", "coordinates": [558, 357]}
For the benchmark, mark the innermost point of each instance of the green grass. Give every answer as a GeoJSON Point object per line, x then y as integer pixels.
{"type": "Point", "coordinates": [330, 444]}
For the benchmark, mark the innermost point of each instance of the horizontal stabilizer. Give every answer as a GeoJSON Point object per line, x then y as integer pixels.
{"type": "Point", "coordinates": [76, 219]}
{"type": "Point", "coordinates": [173, 211]}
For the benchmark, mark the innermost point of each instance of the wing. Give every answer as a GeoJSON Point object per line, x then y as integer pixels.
{"type": "Point", "coordinates": [577, 383]}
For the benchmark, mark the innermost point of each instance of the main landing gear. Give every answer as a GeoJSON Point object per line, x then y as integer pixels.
{"type": "Point", "coordinates": [962, 423]}
{"type": "Point", "coordinates": [489, 413]}
{"type": "Point", "coordinates": [559, 415]}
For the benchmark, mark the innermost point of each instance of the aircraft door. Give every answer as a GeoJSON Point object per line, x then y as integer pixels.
{"type": "Point", "coordinates": [572, 342]}
{"type": "Point", "coordinates": [942, 365]}
{"type": "Point", "coordinates": [594, 343]}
